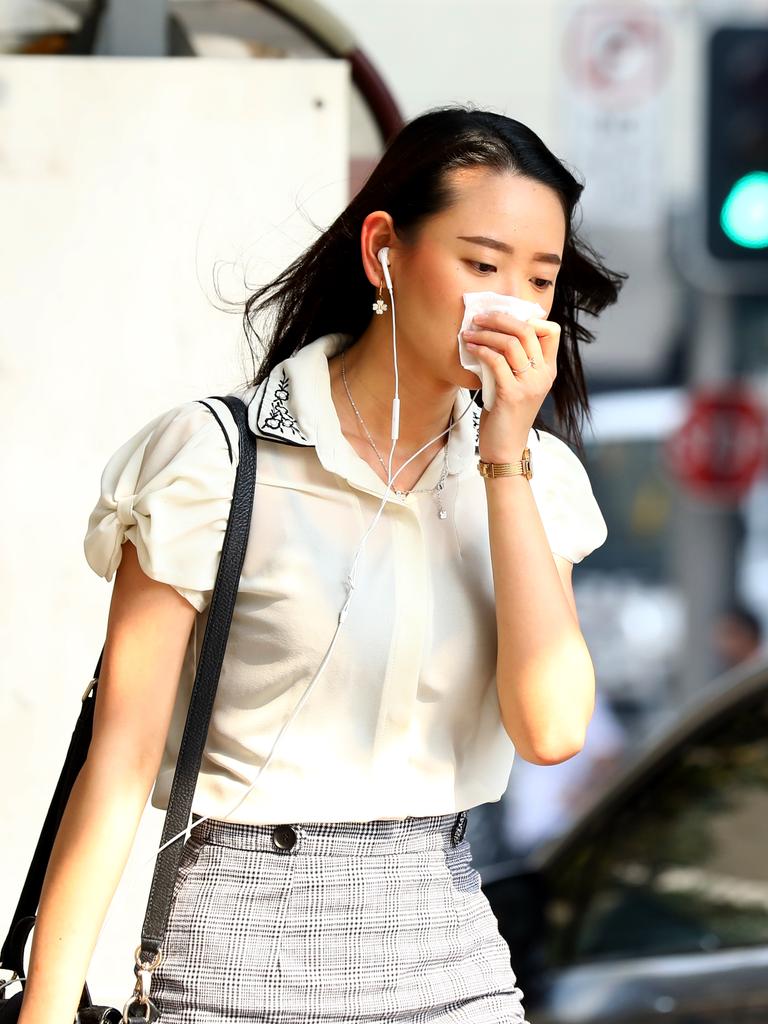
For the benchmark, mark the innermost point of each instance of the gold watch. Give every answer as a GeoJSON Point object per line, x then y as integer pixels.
{"type": "Point", "coordinates": [522, 468]}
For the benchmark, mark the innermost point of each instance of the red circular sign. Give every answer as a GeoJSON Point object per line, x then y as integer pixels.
{"type": "Point", "coordinates": [721, 446]}
{"type": "Point", "coordinates": [617, 53]}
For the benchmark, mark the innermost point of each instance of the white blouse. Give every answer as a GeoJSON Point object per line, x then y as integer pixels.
{"type": "Point", "coordinates": [404, 719]}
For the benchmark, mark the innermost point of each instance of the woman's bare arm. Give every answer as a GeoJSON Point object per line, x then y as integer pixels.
{"type": "Point", "coordinates": [147, 632]}
{"type": "Point", "coordinates": [545, 677]}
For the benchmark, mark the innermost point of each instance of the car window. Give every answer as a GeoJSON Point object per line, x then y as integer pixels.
{"type": "Point", "coordinates": [681, 866]}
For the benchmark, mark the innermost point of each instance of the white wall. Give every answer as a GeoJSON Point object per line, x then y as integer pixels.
{"type": "Point", "coordinates": [497, 53]}
{"type": "Point", "coordinates": [123, 181]}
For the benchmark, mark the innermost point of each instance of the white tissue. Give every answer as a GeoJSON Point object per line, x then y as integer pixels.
{"type": "Point", "coordinates": [490, 302]}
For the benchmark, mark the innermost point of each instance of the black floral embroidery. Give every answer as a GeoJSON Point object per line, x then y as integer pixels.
{"type": "Point", "coordinates": [279, 418]}
{"type": "Point", "coordinates": [476, 423]}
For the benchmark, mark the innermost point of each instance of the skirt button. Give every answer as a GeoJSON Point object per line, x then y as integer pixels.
{"type": "Point", "coordinates": [284, 837]}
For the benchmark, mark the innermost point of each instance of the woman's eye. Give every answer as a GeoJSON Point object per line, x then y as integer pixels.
{"type": "Point", "coordinates": [482, 267]}
{"type": "Point", "coordinates": [542, 282]}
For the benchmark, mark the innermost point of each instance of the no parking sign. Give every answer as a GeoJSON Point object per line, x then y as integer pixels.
{"type": "Point", "coordinates": [615, 63]}
{"type": "Point", "coordinates": [618, 53]}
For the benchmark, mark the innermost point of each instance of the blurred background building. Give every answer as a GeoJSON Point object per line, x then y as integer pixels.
{"type": "Point", "coordinates": [662, 108]}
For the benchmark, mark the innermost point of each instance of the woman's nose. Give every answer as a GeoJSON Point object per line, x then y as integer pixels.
{"type": "Point", "coordinates": [521, 288]}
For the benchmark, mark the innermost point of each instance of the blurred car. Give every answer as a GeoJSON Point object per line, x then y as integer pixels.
{"type": "Point", "coordinates": [654, 904]}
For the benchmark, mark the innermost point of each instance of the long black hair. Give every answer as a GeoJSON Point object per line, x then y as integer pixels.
{"type": "Point", "coordinates": [326, 290]}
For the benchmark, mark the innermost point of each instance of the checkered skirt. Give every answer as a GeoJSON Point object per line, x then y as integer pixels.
{"type": "Point", "coordinates": [333, 922]}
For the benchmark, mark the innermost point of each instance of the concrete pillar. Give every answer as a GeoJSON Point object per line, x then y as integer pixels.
{"type": "Point", "coordinates": [706, 534]}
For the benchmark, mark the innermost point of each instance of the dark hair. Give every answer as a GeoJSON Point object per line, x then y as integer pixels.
{"type": "Point", "coordinates": [325, 290]}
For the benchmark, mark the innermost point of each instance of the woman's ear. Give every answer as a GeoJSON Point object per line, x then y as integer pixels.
{"type": "Point", "coordinates": [377, 232]}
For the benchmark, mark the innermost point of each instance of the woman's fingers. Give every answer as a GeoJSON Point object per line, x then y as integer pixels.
{"type": "Point", "coordinates": [504, 345]}
{"type": "Point", "coordinates": [511, 327]}
{"type": "Point", "coordinates": [518, 340]}
{"type": "Point", "coordinates": [548, 336]}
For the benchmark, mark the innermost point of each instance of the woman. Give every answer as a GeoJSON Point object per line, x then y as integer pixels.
{"type": "Point", "coordinates": [340, 886]}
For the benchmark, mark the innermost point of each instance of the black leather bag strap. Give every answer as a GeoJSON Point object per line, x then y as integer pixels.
{"type": "Point", "coordinates": [204, 690]}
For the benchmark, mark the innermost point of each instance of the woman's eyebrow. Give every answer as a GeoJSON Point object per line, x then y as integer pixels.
{"type": "Point", "coordinates": [494, 243]}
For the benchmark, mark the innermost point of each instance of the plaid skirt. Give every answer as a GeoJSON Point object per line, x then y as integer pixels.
{"type": "Point", "coordinates": [333, 922]}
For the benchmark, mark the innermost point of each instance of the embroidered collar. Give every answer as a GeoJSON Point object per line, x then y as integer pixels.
{"type": "Point", "coordinates": [274, 416]}
{"type": "Point", "coordinates": [294, 406]}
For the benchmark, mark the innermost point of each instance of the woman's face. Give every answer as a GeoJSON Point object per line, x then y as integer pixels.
{"type": "Point", "coordinates": [505, 233]}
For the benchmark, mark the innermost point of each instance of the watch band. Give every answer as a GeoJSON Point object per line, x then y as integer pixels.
{"type": "Point", "coordinates": [522, 468]}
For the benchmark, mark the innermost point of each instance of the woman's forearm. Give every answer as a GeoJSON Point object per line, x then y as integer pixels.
{"type": "Point", "coordinates": [545, 677]}
{"type": "Point", "coordinates": [91, 849]}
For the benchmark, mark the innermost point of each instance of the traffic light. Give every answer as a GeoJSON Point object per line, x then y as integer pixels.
{"type": "Point", "coordinates": [736, 134]}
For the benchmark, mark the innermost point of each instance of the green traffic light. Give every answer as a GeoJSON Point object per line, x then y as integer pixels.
{"type": "Point", "coordinates": [744, 217]}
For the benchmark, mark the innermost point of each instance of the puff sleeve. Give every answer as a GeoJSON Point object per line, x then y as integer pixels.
{"type": "Point", "coordinates": [168, 489]}
{"type": "Point", "coordinates": [568, 508]}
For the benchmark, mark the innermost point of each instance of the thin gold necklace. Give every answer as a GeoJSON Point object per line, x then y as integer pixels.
{"type": "Point", "coordinates": [437, 489]}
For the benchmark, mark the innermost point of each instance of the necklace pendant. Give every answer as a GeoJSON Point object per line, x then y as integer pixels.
{"type": "Point", "coordinates": [442, 514]}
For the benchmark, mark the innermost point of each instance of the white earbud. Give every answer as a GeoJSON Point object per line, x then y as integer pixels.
{"type": "Point", "coordinates": [383, 256]}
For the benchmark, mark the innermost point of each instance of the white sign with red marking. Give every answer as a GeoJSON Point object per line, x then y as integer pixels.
{"type": "Point", "coordinates": [721, 447]}
{"type": "Point", "coordinates": [615, 58]}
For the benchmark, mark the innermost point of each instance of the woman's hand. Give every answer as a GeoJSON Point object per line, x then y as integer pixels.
{"type": "Point", "coordinates": [506, 344]}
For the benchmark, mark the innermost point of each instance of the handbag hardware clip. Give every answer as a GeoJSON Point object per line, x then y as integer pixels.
{"type": "Point", "coordinates": [140, 994]}
{"type": "Point", "coordinates": [156, 960]}
{"type": "Point", "coordinates": [88, 689]}
{"type": "Point", "coordinates": [9, 981]}
{"type": "Point", "coordinates": [148, 1005]}
{"type": "Point", "coordinates": [143, 983]}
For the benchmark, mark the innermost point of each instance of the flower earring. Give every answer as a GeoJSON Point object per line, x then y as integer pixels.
{"type": "Point", "coordinates": [380, 307]}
